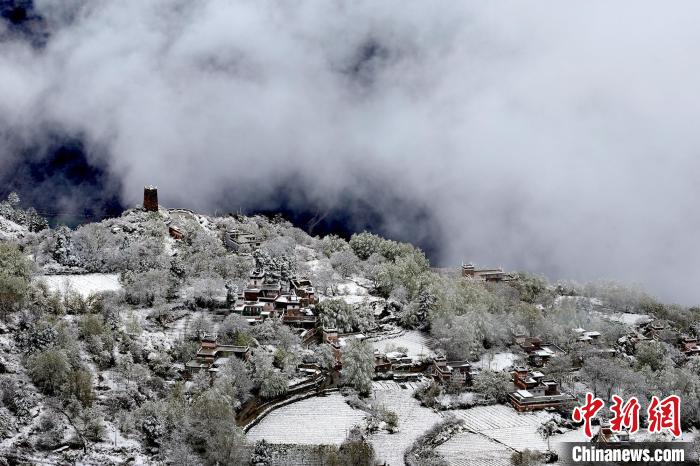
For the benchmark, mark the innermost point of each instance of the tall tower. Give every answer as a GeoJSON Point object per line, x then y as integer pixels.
{"type": "Point", "coordinates": [150, 198]}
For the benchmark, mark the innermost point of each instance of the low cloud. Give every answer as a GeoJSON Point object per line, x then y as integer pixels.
{"type": "Point", "coordinates": [546, 136]}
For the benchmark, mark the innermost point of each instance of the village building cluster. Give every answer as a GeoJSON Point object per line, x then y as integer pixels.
{"type": "Point", "coordinates": [292, 301]}
{"type": "Point", "coordinates": [268, 297]}
{"type": "Point", "coordinates": [658, 330]}
{"type": "Point", "coordinates": [534, 391]}
{"type": "Point", "coordinates": [487, 275]}
{"type": "Point", "coordinates": [211, 356]}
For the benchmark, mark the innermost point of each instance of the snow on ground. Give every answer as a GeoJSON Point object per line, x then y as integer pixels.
{"type": "Point", "coordinates": [417, 343]}
{"type": "Point", "coordinates": [349, 287]}
{"type": "Point", "coordinates": [628, 318]}
{"type": "Point", "coordinates": [496, 361]}
{"type": "Point", "coordinates": [414, 420]}
{"type": "Point", "coordinates": [84, 284]}
{"type": "Point", "coordinates": [580, 301]}
{"type": "Point", "coordinates": [315, 421]}
{"type": "Point", "coordinates": [11, 231]}
{"type": "Point", "coordinates": [352, 293]}
{"type": "Point", "coordinates": [505, 425]}
{"type": "Point", "coordinates": [467, 449]}
{"type": "Point", "coordinates": [318, 265]}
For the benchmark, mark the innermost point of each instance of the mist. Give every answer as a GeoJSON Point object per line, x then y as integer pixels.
{"type": "Point", "coordinates": [551, 137]}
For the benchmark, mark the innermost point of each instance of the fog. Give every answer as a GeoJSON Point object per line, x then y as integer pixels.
{"type": "Point", "coordinates": [546, 136]}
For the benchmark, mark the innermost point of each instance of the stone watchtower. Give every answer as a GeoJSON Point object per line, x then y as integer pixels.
{"type": "Point", "coordinates": [150, 198]}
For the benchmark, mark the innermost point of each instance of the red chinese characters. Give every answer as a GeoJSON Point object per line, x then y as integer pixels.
{"type": "Point", "coordinates": [626, 414]}
{"type": "Point", "coordinates": [665, 415]}
{"type": "Point", "coordinates": [587, 412]}
{"type": "Point", "coordinates": [662, 414]}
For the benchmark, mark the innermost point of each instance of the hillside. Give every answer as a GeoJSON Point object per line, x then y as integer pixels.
{"type": "Point", "coordinates": [164, 335]}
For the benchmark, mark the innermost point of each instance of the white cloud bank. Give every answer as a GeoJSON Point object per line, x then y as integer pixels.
{"type": "Point", "coordinates": [550, 136]}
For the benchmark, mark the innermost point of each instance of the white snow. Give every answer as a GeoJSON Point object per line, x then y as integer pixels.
{"type": "Point", "coordinates": [496, 361]}
{"type": "Point", "coordinates": [628, 318]}
{"type": "Point", "coordinates": [351, 292]}
{"type": "Point", "coordinates": [11, 231]}
{"type": "Point", "coordinates": [315, 421]}
{"type": "Point", "coordinates": [505, 425]}
{"type": "Point", "coordinates": [579, 301]}
{"type": "Point", "coordinates": [349, 287]}
{"type": "Point", "coordinates": [84, 284]}
{"type": "Point", "coordinates": [417, 344]}
{"type": "Point", "coordinates": [467, 449]}
{"type": "Point", "coordinates": [414, 420]}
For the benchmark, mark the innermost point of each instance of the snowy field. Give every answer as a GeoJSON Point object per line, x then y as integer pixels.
{"type": "Point", "coordinates": [628, 318]}
{"type": "Point", "coordinates": [352, 293]}
{"type": "Point", "coordinates": [496, 361]}
{"type": "Point", "coordinates": [414, 420]}
{"type": "Point", "coordinates": [417, 343]}
{"type": "Point", "coordinates": [579, 301]}
{"type": "Point", "coordinates": [314, 421]}
{"type": "Point", "coordinates": [83, 284]}
{"type": "Point", "coordinates": [468, 449]}
{"type": "Point", "coordinates": [503, 424]}
{"type": "Point", "coordinates": [10, 231]}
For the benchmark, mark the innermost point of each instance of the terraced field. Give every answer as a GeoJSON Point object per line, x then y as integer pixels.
{"type": "Point", "coordinates": [414, 420]}
{"type": "Point", "coordinates": [315, 421]}
{"type": "Point", "coordinates": [503, 424]}
{"type": "Point", "coordinates": [468, 449]}
{"type": "Point", "coordinates": [84, 284]}
{"type": "Point", "coordinates": [417, 344]}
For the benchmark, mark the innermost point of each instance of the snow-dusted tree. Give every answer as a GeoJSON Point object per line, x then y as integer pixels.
{"type": "Point", "coordinates": [358, 365]}
{"type": "Point", "coordinates": [13, 200]}
{"type": "Point", "coordinates": [234, 381]}
{"type": "Point", "coordinates": [333, 243]}
{"type": "Point", "coordinates": [272, 382]}
{"type": "Point", "coordinates": [33, 221]}
{"type": "Point", "coordinates": [546, 430]}
{"type": "Point", "coordinates": [14, 278]}
{"type": "Point", "coordinates": [131, 372]}
{"type": "Point", "coordinates": [200, 327]}
{"type": "Point", "coordinates": [493, 386]}
{"type": "Point", "coordinates": [345, 262]}
{"type": "Point", "coordinates": [10, 209]}
{"type": "Point", "coordinates": [133, 326]}
{"type": "Point", "coordinates": [281, 267]}
{"type": "Point", "coordinates": [62, 248]}
{"type": "Point", "coordinates": [322, 277]}
{"type": "Point", "coordinates": [234, 330]}
{"type": "Point", "coordinates": [49, 370]}
{"type": "Point", "coordinates": [146, 251]}
{"type": "Point", "coordinates": [90, 246]}
{"type": "Point", "coordinates": [279, 246]}
{"type": "Point", "coordinates": [178, 452]}
{"type": "Point", "coordinates": [652, 354]}
{"type": "Point", "coordinates": [323, 356]}
{"type": "Point", "coordinates": [287, 361]}
{"type": "Point", "coordinates": [262, 455]}
{"type": "Point", "coordinates": [208, 291]}
{"type": "Point", "coordinates": [147, 287]}
{"type": "Point", "coordinates": [337, 313]}
{"type": "Point", "coordinates": [34, 336]}
{"type": "Point", "coordinates": [365, 244]}
{"type": "Point", "coordinates": [460, 336]}
{"type": "Point", "coordinates": [78, 386]}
